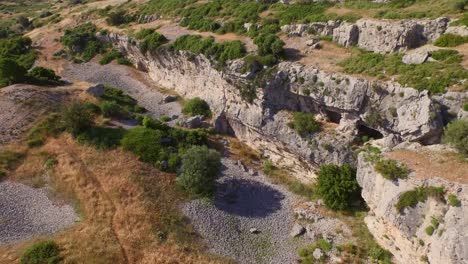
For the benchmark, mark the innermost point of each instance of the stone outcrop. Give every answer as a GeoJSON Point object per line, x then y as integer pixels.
{"type": "Point", "coordinates": [404, 233]}
{"type": "Point", "coordinates": [263, 124]}
{"type": "Point", "coordinates": [385, 36]}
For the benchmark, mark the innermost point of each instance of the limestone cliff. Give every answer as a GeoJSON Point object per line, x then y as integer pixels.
{"type": "Point", "coordinates": [383, 109]}
{"type": "Point", "coordinates": [404, 233]}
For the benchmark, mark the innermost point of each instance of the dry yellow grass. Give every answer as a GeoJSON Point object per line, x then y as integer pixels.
{"type": "Point", "coordinates": [124, 204]}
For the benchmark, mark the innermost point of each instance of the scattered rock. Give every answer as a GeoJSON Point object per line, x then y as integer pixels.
{"type": "Point", "coordinates": [318, 254]}
{"type": "Point", "coordinates": [254, 231]}
{"type": "Point", "coordinates": [192, 122]}
{"type": "Point", "coordinates": [297, 230]}
{"type": "Point", "coordinates": [241, 166]}
{"type": "Point", "coordinates": [417, 57]}
{"type": "Point", "coordinates": [252, 172]}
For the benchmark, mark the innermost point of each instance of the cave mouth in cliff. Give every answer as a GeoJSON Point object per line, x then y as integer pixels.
{"type": "Point", "coordinates": [333, 116]}
{"type": "Point", "coordinates": [369, 132]}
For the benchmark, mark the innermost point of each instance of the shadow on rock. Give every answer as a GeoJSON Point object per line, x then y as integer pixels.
{"type": "Point", "coordinates": [247, 198]}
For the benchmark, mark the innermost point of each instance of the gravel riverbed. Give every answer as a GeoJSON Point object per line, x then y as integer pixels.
{"type": "Point", "coordinates": [242, 203]}
{"type": "Point", "coordinates": [26, 212]}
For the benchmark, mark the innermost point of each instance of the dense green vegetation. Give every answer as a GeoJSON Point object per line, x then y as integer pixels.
{"type": "Point", "coordinates": [114, 55]}
{"type": "Point", "coordinates": [337, 186]}
{"type": "Point", "coordinates": [41, 253]}
{"type": "Point", "coordinates": [16, 58]}
{"type": "Point", "coordinates": [420, 194]}
{"type": "Point", "coordinates": [114, 103]}
{"type": "Point", "coordinates": [77, 118]}
{"type": "Point", "coordinates": [199, 169]}
{"type": "Point", "coordinates": [391, 169]}
{"type": "Point", "coordinates": [269, 44]}
{"type": "Point", "coordinates": [196, 106]}
{"type": "Point", "coordinates": [304, 123]}
{"type": "Point", "coordinates": [150, 40]}
{"type": "Point", "coordinates": [220, 52]}
{"type": "Point", "coordinates": [450, 40]}
{"type": "Point", "coordinates": [81, 41]}
{"type": "Point", "coordinates": [456, 135]}
{"type": "Point", "coordinates": [432, 76]}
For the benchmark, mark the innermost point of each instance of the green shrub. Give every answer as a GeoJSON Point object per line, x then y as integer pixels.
{"type": "Point", "coordinates": [41, 252]}
{"type": "Point", "coordinates": [377, 253]}
{"type": "Point", "coordinates": [113, 109]}
{"type": "Point", "coordinates": [465, 107]}
{"type": "Point", "coordinates": [11, 72]}
{"type": "Point", "coordinates": [144, 142]}
{"type": "Point", "coordinates": [429, 230]}
{"type": "Point", "coordinates": [81, 40]}
{"type": "Point", "coordinates": [303, 13]}
{"type": "Point", "coordinates": [43, 76]}
{"type": "Point", "coordinates": [456, 135]}
{"type": "Point", "coordinates": [304, 123]}
{"type": "Point", "coordinates": [420, 194]}
{"type": "Point", "coordinates": [199, 169]}
{"type": "Point", "coordinates": [77, 118]}
{"type": "Point", "coordinates": [450, 40]}
{"type": "Point", "coordinates": [124, 61]}
{"type": "Point", "coordinates": [306, 253]}
{"type": "Point", "coordinates": [196, 106]}
{"type": "Point", "coordinates": [337, 186]}
{"type": "Point", "coordinates": [453, 200]}
{"type": "Point", "coordinates": [220, 52]}
{"type": "Point", "coordinates": [268, 167]}
{"type": "Point", "coordinates": [109, 57]}
{"type": "Point", "coordinates": [101, 137]}
{"type": "Point", "coordinates": [8, 159]}
{"type": "Point", "coordinates": [119, 17]}
{"type": "Point", "coordinates": [269, 44]}
{"type": "Point", "coordinates": [391, 169]}
{"type": "Point", "coordinates": [150, 41]}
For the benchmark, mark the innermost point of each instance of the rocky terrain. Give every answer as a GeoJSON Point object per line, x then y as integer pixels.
{"type": "Point", "coordinates": [254, 216]}
{"type": "Point", "coordinates": [26, 212]}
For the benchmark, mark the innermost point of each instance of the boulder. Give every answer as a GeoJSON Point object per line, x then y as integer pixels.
{"type": "Point", "coordinates": [297, 230]}
{"type": "Point", "coordinates": [96, 90]}
{"type": "Point", "coordinates": [193, 122]}
{"type": "Point", "coordinates": [417, 57]}
{"type": "Point", "coordinates": [254, 231]}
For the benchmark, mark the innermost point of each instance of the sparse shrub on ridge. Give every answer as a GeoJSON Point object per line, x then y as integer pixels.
{"type": "Point", "coordinates": [420, 194]}
{"type": "Point", "coordinates": [391, 169]}
{"type": "Point", "coordinates": [450, 40]}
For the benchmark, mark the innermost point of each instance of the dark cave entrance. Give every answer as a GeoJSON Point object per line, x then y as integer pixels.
{"type": "Point", "coordinates": [333, 116]}
{"type": "Point", "coordinates": [365, 131]}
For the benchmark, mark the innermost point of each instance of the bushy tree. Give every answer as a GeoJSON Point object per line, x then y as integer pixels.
{"type": "Point", "coordinates": [77, 118]}
{"type": "Point", "coordinates": [10, 72]}
{"type": "Point", "coordinates": [196, 106]}
{"type": "Point", "coordinates": [269, 44]}
{"type": "Point", "coordinates": [456, 135]}
{"type": "Point", "coordinates": [199, 169]}
{"type": "Point", "coordinates": [304, 123]}
{"type": "Point", "coordinates": [337, 186]}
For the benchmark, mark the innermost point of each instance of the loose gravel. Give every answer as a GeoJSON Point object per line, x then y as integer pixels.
{"type": "Point", "coordinates": [243, 203]}
{"type": "Point", "coordinates": [26, 212]}
{"type": "Point", "coordinates": [123, 78]}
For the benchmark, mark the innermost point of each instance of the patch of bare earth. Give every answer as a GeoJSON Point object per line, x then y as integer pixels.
{"type": "Point", "coordinates": [21, 105]}
{"type": "Point", "coordinates": [327, 58]}
{"type": "Point", "coordinates": [429, 164]}
{"type": "Point", "coordinates": [124, 203]}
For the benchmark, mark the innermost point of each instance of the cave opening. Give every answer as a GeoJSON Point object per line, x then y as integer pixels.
{"type": "Point", "coordinates": [333, 116]}
{"type": "Point", "coordinates": [368, 132]}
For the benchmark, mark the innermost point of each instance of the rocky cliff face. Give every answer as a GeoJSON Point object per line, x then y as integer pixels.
{"type": "Point", "coordinates": [382, 36]}
{"type": "Point", "coordinates": [353, 103]}
{"type": "Point", "coordinates": [404, 233]}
